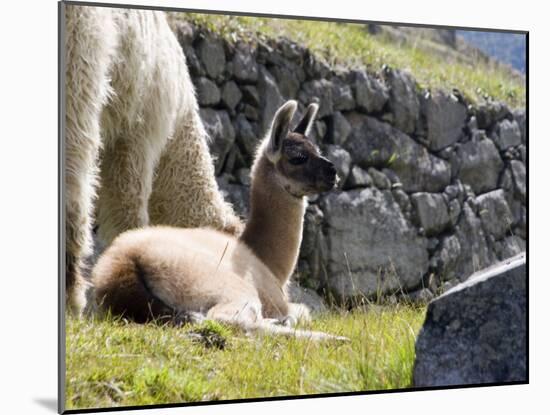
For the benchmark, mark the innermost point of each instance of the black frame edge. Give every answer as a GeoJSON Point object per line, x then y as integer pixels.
{"type": "Point", "coordinates": [61, 362]}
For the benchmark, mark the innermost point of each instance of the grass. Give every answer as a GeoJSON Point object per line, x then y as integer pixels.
{"type": "Point", "coordinates": [115, 363]}
{"type": "Point", "coordinates": [350, 45]}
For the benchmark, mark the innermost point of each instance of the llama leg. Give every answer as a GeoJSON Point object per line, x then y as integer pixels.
{"type": "Point", "coordinates": [188, 317]}
{"type": "Point", "coordinates": [185, 192]}
{"type": "Point", "coordinates": [298, 312]}
{"type": "Point", "coordinates": [77, 246]}
{"type": "Point", "coordinates": [247, 315]}
{"type": "Point", "coordinates": [139, 121]}
{"type": "Point", "coordinates": [241, 313]}
{"type": "Point", "coordinates": [87, 58]}
{"type": "Point", "coordinates": [127, 168]}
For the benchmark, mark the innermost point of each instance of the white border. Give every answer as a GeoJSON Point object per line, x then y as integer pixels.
{"type": "Point", "coordinates": [28, 206]}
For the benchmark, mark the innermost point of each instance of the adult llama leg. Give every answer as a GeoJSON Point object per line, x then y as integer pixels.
{"type": "Point", "coordinates": [138, 121]}
{"type": "Point", "coordinates": [88, 51]}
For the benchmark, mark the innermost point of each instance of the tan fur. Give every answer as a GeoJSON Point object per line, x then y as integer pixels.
{"type": "Point", "coordinates": [235, 280]}
{"type": "Point", "coordinates": [276, 216]}
{"type": "Point", "coordinates": [131, 107]}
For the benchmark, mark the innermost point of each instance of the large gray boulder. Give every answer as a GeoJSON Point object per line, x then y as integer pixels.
{"type": "Point", "coordinates": [445, 118]}
{"type": "Point", "coordinates": [372, 248]}
{"type": "Point", "coordinates": [403, 100]}
{"type": "Point", "coordinates": [476, 332]}
{"type": "Point", "coordinates": [480, 165]}
{"type": "Point", "coordinates": [373, 143]}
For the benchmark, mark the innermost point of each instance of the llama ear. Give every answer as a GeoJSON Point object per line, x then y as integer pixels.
{"type": "Point", "coordinates": [280, 126]}
{"type": "Point", "coordinates": [304, 126]}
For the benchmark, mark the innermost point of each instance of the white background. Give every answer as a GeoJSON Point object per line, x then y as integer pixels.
{"type": "Point", "coordinates": [28, 204]}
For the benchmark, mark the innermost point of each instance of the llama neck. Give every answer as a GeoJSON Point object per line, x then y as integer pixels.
{"type": "Point", "coordinates": [274, 229]}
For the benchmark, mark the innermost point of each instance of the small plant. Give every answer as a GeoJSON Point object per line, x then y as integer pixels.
{"type": "Point", "coordinates": [393, 158]}
{"type": "Point", "coordinates": [211, 334]}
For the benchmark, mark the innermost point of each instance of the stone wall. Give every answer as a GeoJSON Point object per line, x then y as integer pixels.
{"type": "Point", "coordinates": [432, 188]}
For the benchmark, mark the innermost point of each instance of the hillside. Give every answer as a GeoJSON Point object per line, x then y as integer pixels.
{"type": "Point", "coordinates": [507, 48]}
{"type": "Point", "coordinates": [433, 63]}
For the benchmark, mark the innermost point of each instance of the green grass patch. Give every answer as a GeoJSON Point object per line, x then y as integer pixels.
{"type": "Point", "coordinates": [350, 45]}
{"type": "Point", "coordinates": [115, 363]}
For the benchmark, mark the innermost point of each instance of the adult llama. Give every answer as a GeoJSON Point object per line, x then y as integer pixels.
{"type": "Point", "coordinates": [136, 151]}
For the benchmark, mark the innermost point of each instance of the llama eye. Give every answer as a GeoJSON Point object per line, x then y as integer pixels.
{"type": "Point", "coordinates": [301, 159]}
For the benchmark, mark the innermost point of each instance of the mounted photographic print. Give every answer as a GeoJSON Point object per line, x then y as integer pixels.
{"type": "Point", "coordinates": [258, 207]}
